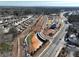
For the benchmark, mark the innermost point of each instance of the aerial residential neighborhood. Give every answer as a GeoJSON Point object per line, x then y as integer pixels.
{"type": "Point", "coordinates": [39, 31]}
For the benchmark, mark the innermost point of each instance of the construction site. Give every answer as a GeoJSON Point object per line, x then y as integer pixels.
{"type": "Point", "coordinates": [37, 36]}
{"type": "Point", "coordinates": [44, 31]}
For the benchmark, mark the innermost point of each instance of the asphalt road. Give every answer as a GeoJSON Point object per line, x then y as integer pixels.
{"type": "Point", "coordinates": [55, 44]}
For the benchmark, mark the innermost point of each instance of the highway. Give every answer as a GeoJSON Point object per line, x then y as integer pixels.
{"type": "Point", "coordinates": [52, 48]}
{"type": "Point", "coordinates": [56, 44]}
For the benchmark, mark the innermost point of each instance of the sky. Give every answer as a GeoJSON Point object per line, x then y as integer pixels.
{"type": "Point", "coordinates": [74, 3]}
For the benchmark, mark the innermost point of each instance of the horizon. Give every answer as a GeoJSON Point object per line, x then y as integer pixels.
{"type": "Point", "coordinates": [44, 6]}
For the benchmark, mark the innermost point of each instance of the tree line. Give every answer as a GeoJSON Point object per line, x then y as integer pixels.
{"type": "Point", "coordinates": [73, 18]}
{"type": "Point", "coordinates": [26, 11]}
